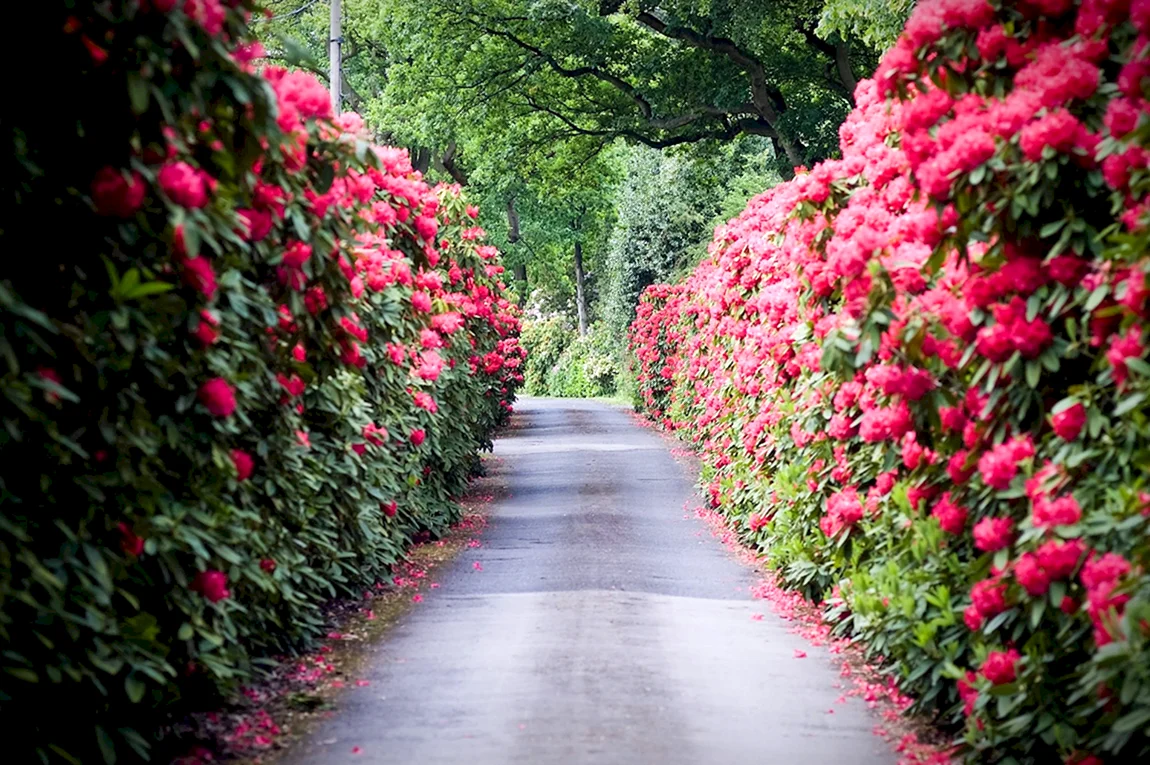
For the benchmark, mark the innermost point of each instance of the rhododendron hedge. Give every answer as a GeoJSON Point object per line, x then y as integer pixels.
{"type": "Point", "coordinates": [918, 376]}
{"type": "Point", "coordinates": [247, 358]}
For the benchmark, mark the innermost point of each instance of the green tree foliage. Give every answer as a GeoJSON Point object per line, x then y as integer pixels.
{"type": "Point", "coordinates": [662, 74]}
{"type": "Point", "coordinates": [875, 22]}
{"type": "Point", "coordinates": [667, 207]}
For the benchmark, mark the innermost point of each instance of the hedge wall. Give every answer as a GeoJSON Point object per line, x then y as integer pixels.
{"type": "Point", "coordinates": [918, 374]}
{"type": "Point", "coordinates": [246, 357]}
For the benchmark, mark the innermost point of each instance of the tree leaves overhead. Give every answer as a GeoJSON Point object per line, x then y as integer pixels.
{"type": "Point", "coordinates": [663, 74]}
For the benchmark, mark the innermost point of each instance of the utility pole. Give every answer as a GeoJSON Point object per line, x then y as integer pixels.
{"type": "Point", "coordinates": [335, 59]}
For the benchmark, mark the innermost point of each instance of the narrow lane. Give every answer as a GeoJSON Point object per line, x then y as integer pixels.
{"type": "Point", "coordinates": [602, 628]}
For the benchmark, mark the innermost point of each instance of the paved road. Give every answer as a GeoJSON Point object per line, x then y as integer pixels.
{"type": "Point", "coordinates": [603, 628]}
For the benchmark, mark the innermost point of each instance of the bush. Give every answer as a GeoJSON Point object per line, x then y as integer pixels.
{"type": "Point", "coordinates": [562, 364]}
{"type": "Point", "coordinates": [247, 356]}
{"type": "Point", "coordinates": [544, 341]}
{"type": "Point", "coordinates": [918, 374]}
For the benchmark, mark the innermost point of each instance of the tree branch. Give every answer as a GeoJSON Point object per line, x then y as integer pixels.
{"type": "Point", "coordinates": [839, 54]}
{"type": "Point", "coordinates": [761, 90]}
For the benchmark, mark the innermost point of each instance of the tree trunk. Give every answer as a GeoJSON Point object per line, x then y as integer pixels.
{"type": "Point", "coordinates": [512, 222]}
{"type": "Point", "coordinates": [580, 294]}
{"type": "Point", "coordinates": [843, 63]}
{"type": "Point", "coordinates": [520, 272]}
{"type": "Point", "coordinates": [421, 159]}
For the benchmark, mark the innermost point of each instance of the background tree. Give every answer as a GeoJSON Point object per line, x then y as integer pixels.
{"type": "Point", "coordinates": [661, 74]}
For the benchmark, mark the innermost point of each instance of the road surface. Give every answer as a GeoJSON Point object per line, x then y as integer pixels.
{"type": "Point", "coordinates": [602, 628]}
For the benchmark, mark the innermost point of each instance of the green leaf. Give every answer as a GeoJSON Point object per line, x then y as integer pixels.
{"type": "Point", "coordinates": [1128, 404]}
{"type": "Point", "coordinates": [1096, 297]}
{"type": "Point", "coordinates": [107, 746]}
{"type": "Point", "coordinates": [1132, 721]}
{"type": "Point", "coordinates": [1033, 373]}
{"type": "Point", "coordinates": [22, 673]}
{"type": "Point", "coordinates": [135, 688]}
{"type": "Point", "coordinates": [138, 93]}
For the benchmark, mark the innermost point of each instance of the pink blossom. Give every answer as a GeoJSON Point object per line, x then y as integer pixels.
{"type": "Point", "coordinates": [1001, 667]}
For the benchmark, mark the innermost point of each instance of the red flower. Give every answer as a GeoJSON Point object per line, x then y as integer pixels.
{"type": "Point", "coordinates": [424, 400]}
{"type": "Point", "coordinates": [244, 464]}
{"type": "Point", "coordinates": [1057, 129]}
{"type": "Point", "coordinates": [1063, 511]}
{"type": "Point", "coordinates": [200, 276]}
{"type": "Point", "coordinates": [417, 436]}
{"type": "Point", "coordinates": [989, 597]}
{"type": "Point", "coordinates": [117, 196]}
{"type": "Point", "coordinates": [296, 254]}
{"type": "Point", "coordinates": [421, 301]}
{"type": "Point", "coordinates": [1102, 571]}
{"type": "Point", "coordinates": [206, 332]}
{"type": "Point", "coordinates": [1068, 423]}
{"type": "Point", "coordinates": [389, 508]}
{"type": "Point", "coordinates": [1001, 667]}
{"type": "Point", "coordinates": [430, 366]}
{"type": "Point", "coordinates": [98, 54]}
{"type": "Point", "coordinates": [992, 534]}
{"type": "Point", "coordinates": [374, 434]}
{"type": "Point", "coordinates": [257, 224]}
{"type": "Point", "coordinates": [131, 544]}
{"type": "Point", "coordinates": [184, 184]}
{"type": "Point", "coordinates": [212, 584]}
{"type": "Point", "coordinates": [268, 565]}
{"type": "Point", "coordinates": [1059, 559]}
{"type": "Point", "coordinates": [967, 692]}
{"type": "Point", "coordinates": [426, 227]}
{"type": "Point", "coordinates": [999, 465]}
{"type": "Point", "coordinates": [1030, 574]}
{"type": "Point", "coordinates": [218, 397]}
{"type": "Point", "coordinates": [1128, 346]}
{"type": "Point", "coordinates": [951, 517]}
{"type": "Point", "coordinates": [844, 510]}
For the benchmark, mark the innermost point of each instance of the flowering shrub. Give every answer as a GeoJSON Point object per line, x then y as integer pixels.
{"type": "Point", "coordinates": [918, 375]}
{"type": "Point", "coordinates": [247, 358]}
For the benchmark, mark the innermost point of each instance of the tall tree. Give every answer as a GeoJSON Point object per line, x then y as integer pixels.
{"type": "Point", "coordinates": [661, 73]}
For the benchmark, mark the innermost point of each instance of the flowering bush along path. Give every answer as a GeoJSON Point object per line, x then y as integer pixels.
{"type": "Point", "coordinates": [247, 356]}
{"type": "Point", "coordinates": [917, 375]}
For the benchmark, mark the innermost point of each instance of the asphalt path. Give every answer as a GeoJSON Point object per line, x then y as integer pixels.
{"type": "Point", "coordinates": [599, 627]}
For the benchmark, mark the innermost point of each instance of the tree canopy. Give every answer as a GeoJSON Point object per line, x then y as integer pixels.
{"type": "Point", "coordinates": [661, 74]}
